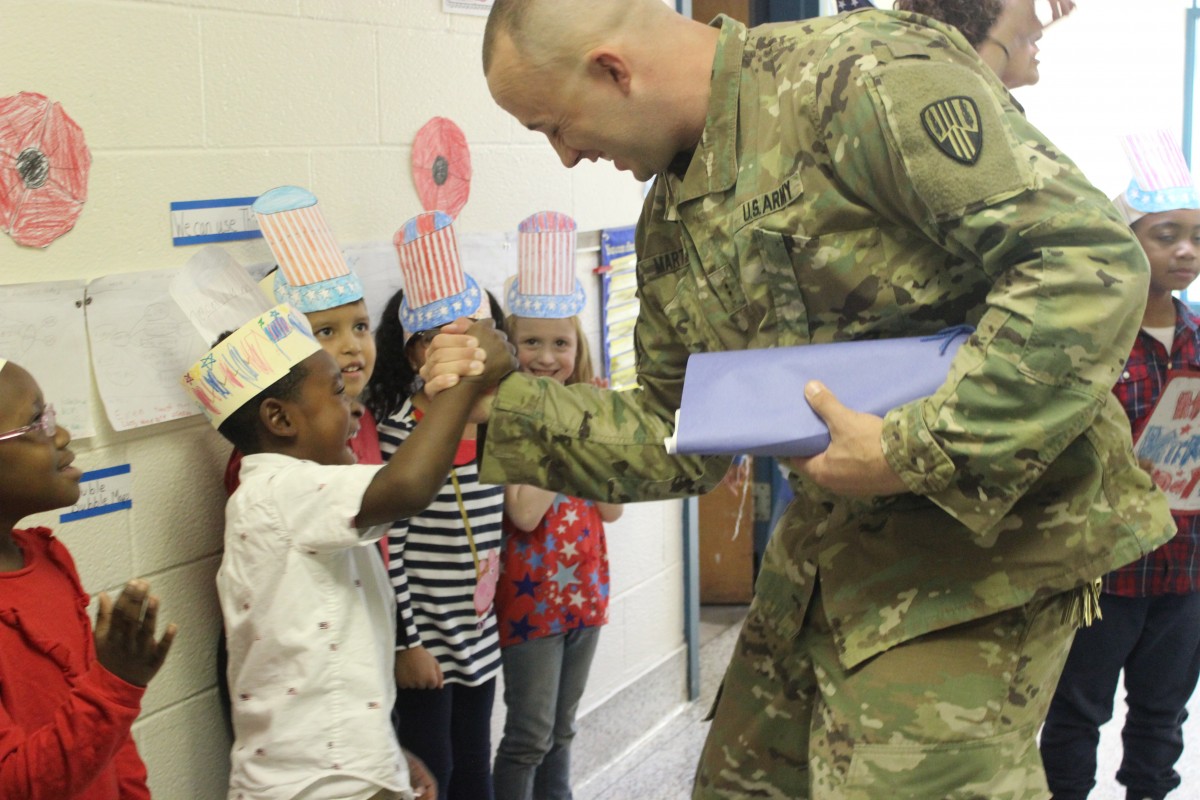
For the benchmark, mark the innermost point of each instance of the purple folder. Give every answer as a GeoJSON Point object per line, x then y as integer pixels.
{"type": "Point", "coordinates": [752, 401]}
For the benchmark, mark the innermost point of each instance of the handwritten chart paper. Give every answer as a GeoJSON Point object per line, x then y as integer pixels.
{"type": "Point", "coordinates": [141, 346]}
{"type": "Point", "coordinates": [42, 328]}
{"type": "Point", "coordinates": [1171, 440]}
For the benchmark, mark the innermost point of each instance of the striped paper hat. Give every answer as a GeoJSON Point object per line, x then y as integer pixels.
{"type": "Point", "coordinates": [249, 360]}
{"type": "Point", "coordinates": [313, 274]}
{"type": "Point", "coordinates": [436, 290]}
{"type": "Point", "coordinates": [1161, 179]}
{"type": "Point", "coordinates": [546, 286]}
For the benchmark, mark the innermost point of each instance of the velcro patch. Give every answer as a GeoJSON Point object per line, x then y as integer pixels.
{"type": "Point", "coordinates": [947, 125]}
{"type": "Point", "coordinates": [953, 124]}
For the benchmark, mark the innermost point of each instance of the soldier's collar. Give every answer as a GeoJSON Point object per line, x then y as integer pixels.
{"type": "Point", "coordinates": [714, 164]}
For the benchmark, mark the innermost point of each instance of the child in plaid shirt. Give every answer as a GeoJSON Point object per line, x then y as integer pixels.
{"type": "Point", "coordinates": [1151, 608]}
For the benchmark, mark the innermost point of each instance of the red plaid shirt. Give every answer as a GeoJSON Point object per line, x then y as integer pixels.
{"type": "Point", "coordinates": [1173, 568]}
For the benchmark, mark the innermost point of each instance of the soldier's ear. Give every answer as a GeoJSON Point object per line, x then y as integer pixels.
{"type": "Point", "coordinates": [610, 66]}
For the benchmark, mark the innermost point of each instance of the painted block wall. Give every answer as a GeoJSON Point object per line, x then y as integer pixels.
{"type": "Point", "coordinates": [200, 99]}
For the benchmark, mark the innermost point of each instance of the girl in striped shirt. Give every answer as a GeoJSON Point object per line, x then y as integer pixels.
{"type": "Point", "coordinates": [443, 566]}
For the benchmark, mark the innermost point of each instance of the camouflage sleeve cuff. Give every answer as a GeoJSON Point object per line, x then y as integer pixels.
{"type": "Point", "coordinates": [913, 452]}
{"type": "Point", "coordinates": [518, 403]}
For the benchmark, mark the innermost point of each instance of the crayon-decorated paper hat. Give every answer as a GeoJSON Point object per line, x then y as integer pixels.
{"type": "Point", "coordinates": [313, 274]}
{"type": "Point", "coordinates": [546, 285]}
{"type": "Point", "coordinates": [1161, 179]}
{"type": "Point", "coordinates": [436, 290]}
{"type": "Point", "coordinates": [249, 360]}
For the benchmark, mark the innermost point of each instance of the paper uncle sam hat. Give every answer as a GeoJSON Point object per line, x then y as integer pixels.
{"type": "Point", "coordinates": [249, 360]}
{"type": "Point", "coordinates": [1161, 179]}
{"type": "Point", "coordinates": [436, 290]}
{"type": "Point", "coordinates": [546, 285]}
{"type": "Point", "coordinates": [313, 274]}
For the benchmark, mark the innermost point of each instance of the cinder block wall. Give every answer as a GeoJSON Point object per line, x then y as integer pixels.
{"type": "Point", "coordinates": [201, 99]}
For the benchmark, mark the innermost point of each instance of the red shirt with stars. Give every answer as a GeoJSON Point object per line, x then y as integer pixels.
{"type": "Point", "coordinates": [555, 577]}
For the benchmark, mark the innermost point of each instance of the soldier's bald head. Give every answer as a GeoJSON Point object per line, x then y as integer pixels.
{"type": "Point", "coordinates": [542, 32]}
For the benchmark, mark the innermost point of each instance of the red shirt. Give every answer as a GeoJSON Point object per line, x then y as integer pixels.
{"type": "Point", "coordinates": [64, 719]}
{"type": "Point", "coordinates": [555, 577]}
{"type": "Point", "coordinates": [1174, 568]}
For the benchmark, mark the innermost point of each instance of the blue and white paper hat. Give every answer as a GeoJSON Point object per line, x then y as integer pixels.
{"type": "Point", "coordinates": [313, 274]}
{"type": "Point", "coordinates": [1161, 179]}
{"type": "Point", "coordinates": [546, 286]}
{"type": "Point", "coordinates": [436, 290]}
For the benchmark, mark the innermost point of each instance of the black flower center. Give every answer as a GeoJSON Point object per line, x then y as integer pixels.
{"type": "Point", "coordinates": [441, 170]}
{"type": "Point", "coordinates": [33, 167]}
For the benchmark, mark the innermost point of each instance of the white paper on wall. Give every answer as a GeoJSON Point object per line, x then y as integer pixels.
{"type": "Point", "coordinates": [42, 328]}
{"type": "Point", "coordinates": [141, 345]}
{"type": "Point", "coordinates": [216, 294]}
{"type": "Point", "coordinates": [489, 258]}
{"type": "Point", "coordinates": [378, 267]}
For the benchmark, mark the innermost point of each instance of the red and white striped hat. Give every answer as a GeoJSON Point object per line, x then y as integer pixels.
{"type": "Point", "coordinates": [1161, 179]}
{"type": "Point", "coordinates": [546, 285]}
{"type": "Point", "coordinates": [313, 274]}
{"type": "Point", "coordinates": [436, 290]}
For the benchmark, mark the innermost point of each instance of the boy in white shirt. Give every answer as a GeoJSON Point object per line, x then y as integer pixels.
{"type": "Point", "coordinates": [306, 601]}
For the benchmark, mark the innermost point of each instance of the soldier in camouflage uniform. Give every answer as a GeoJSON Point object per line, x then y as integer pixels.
{"type": "Point", "coordinates": [853, 177]}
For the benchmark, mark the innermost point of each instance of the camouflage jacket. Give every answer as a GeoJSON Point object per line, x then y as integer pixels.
{"type": "Point", "coordinates": [866, 176]}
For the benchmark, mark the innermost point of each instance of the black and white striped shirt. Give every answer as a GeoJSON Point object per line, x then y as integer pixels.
{"type": "Point", "coordinates": [433, 571]}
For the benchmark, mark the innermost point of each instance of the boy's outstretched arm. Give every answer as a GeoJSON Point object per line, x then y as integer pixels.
{"type": "Point", "coordinates": [411, 479]}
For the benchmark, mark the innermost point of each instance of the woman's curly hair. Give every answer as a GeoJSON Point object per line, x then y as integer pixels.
{"type": "Point", "coordinates": [973, 18]}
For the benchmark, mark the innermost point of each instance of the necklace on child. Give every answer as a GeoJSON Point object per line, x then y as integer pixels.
{"type": "Point", "coordinates": [486, 574]}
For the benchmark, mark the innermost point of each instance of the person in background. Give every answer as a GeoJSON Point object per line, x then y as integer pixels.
{"type": "Point", "coordinates": [1005, 33]}
{"type": "Point", "coordinates": [305, 598]}
{"type": "Point", "coordinates": [1150, 629]}
{"type": "Point", "coordinates": [314, 278]}
{"type": "Point", "coordinates": [68, 694]}
{"type": "Point", "coordinates": [552, 596]}
{"type": "Point", "coordinates": [861, 176]}
{"type": "Point", "coordinates": [443, 558]}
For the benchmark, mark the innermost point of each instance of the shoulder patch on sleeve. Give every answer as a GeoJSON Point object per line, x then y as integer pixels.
{"type": "Point", "coordinates": [953, 123]}
{"type": "Point", "coordinates": [951, 135]}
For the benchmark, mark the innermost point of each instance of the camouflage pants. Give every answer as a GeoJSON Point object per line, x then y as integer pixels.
{"type": "Point", "coordinates": [953, 714]}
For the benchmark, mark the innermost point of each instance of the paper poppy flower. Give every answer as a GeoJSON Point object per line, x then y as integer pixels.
{"type": "Point", "coordinates": [441, 164]}
{"type": "Point", "coordinates": [44, 165]}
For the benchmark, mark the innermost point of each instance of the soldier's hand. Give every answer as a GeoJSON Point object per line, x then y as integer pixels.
{"type": "Point", "coordinates": [853, 464]}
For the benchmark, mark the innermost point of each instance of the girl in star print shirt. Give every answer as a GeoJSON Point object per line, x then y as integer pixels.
{"type": "Point", "coordinates": [552, 596]}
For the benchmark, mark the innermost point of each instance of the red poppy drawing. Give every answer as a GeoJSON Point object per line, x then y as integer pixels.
{"type": "Point", "coordinates": [44, 165]}
{"type": "Point", "coordinates": [441, 164]}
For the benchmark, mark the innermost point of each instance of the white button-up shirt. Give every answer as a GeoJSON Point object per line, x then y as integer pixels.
{"type": "Point", "coordinates": [310, 618]}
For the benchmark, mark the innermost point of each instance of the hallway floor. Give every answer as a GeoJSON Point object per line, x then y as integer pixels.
{"type": "Point", "coordinates": [659, 765]}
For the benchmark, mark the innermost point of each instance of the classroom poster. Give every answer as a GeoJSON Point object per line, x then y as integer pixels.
{"type": "Point", "coordinates": [141, 345]}
{"type": "Point", "coordinates": [42, 328]}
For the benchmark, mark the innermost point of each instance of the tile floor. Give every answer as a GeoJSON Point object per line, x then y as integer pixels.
{"type": "Point", "coordinates": [659, 764]}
